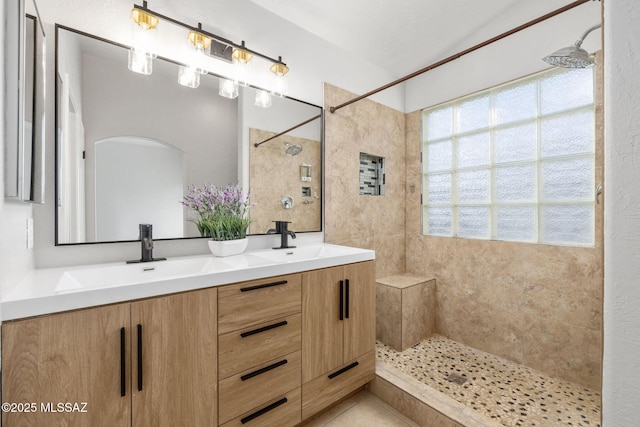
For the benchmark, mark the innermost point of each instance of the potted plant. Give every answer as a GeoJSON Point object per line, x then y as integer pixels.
{"type": "Point", "coordinates": [222, 215]}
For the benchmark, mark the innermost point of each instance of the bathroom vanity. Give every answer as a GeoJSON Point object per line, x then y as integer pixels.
{"type": "Point", "coordinates": [218, 352]}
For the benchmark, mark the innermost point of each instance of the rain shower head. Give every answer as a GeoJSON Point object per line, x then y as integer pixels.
{"type": "Point", "coordinates": [572, 56]}
{"type": "Point", "coordinates": [292, 149]}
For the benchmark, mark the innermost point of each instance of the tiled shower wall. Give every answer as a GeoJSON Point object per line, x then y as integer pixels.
{"type": "Point", "coordinates": [538, 305]}
{"type": "Point", "coordinates": [365, 221]}
{"type": "Point", "coordinates": [535, 304]}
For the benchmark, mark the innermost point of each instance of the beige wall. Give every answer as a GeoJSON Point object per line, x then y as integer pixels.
{"type": "Point", "coordinates": [538, 305]}
{"type": "Point", "coordinates": [372, 222]}
{"type": "Point", "coordinates": [273, 174]}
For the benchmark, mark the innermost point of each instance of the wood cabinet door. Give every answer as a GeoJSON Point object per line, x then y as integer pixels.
{"type": "Point", "coordinates": [360, 306]}
{"type": "Point", "coordinates": [70, 358]}
{"type": "Point", "coordinates": [322, 330]}
{"type": "Point", "coordinates": [175, 381]}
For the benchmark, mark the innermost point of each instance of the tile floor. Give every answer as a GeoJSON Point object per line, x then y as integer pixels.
{"type": "Point", "coordinates": [509, 393]}
{"type": "Point", "coordinates": [361, 410]}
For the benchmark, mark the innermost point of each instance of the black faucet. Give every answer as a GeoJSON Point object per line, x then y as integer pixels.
{"type": "Point", "coordinates": [146, 241]}
{"type": "Point", "coordinates": [282, 228]}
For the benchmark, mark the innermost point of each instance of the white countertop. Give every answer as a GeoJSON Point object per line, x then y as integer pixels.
{"type": "Point", "coordinates": [53, 290]}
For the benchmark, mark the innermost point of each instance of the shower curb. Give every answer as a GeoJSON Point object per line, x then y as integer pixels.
{"type": "Point", "coordinates": [423, 404]}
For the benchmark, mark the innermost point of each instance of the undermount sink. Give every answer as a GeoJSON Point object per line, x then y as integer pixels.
{"type": "Point", "coordinates": [119, 275]}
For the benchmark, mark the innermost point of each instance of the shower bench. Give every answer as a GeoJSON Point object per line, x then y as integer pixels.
{"type": "Point", "coordinates": [405, 310]}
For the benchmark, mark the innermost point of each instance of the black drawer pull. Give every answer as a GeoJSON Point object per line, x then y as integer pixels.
{"type": "Point", "coordinates": [264, 328]}
{"type": "Point", "coordinates": [139, 357]}
{"type": "Point", "coordinates": [346, 297]}
{"type": "Point", "coordinates": [266, 285]}
{"type": "Point", "coordinates": [264, 410]}
{"type": "Point", "coordinates": [263, 370]}
{"type": "Point", "coordinates": [343, 370]}
{"type": "Point", "coordinates": [123, 365]}
{"type": "Point", "coordinates": [341, 299]}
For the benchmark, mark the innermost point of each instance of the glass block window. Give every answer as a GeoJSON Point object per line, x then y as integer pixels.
{"type": "Point", "coordinates": [515, 162]}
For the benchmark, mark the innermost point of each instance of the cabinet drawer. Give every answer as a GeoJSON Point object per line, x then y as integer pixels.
{"type": "Point", "coordinates": [281, 411]}
{"type": "Point", "coordinates": [245, 391]}
{"type": "Point", "coordinates": [249, 303]}
{"type": "Point", "coordinates": [326, 389]}
{"type": "Point", "coordinates": [242, 349]}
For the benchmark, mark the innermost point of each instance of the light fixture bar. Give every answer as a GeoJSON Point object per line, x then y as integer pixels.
{"type": "Point", "coordinates": [206, 33]}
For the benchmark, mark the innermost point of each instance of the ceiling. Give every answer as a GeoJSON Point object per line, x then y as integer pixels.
{"type": "Point", "coordinates": [404, 36]}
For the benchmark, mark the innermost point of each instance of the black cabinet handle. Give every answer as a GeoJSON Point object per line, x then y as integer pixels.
{"type": "Point", "coordinates": [263, 329]}
{"type": "Point", "coordinates": [139, 357]}
{"type": "Point", "coordinates": [263, 370]}
{"type": "Point", "coordinates": [264, 410]}
{"type": "Point", "coordinates": [346, 297]}
{"type": "Point", "coordinates": [266, 285]}
{"type": "Point", "coordinates": [343, 370]}
{"type": "Point", "coordinates": [341, 299]}
{"type": "Point", "coordinates": [123, 365]}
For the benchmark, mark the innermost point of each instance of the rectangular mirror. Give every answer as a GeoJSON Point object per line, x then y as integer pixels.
{"type": "Point", "coordinates": [23, 156]}
{"type": "Point", "coordinates": [128, 147]}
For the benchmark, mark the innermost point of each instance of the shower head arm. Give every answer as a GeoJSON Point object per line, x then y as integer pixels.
{"type": "Point", "coordinates": [585, 34]}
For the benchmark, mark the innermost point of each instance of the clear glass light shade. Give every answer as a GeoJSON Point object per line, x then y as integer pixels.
{"type": "Point", "coordinates": [279, 86]}
{"type": "Point", "coordinates": [144, 36]}
{"type": "Point", "coordinates": [242, 72]}
{"type": "Point", "coordinates": [140, 63]}
{"type": "Point", "coordinates": [199, 60]}
{"type": "Point", "coordinates": [263, 99]}
{"type": "Point", "coordinates": [242, 65]}
{"type": "Point", "coordinates": [228, 88]}
{"type": "Point", "coordinates": [188, 76]}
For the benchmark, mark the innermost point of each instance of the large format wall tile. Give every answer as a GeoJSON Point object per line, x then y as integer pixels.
{"type": "Point", "coordinates": [373, 222]}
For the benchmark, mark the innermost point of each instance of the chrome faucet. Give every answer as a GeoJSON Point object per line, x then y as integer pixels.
{"type": "Point", "coordinates": [282, 228]}
{"type": "Point", "coordinates": [146, 242]}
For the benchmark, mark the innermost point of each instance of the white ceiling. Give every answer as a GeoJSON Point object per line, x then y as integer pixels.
{"type": "Point", "coordinates": [404, 36]}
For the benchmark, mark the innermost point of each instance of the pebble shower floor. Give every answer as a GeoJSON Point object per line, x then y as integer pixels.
{"type": "Point", "coordinates": [507, 392]}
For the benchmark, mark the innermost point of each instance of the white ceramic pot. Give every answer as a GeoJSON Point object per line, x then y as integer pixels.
{"type": "Point", "coordinates": [228, 247]}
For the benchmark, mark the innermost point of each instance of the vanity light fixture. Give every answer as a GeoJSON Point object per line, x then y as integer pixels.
{"type": "Point", "coordinates": [206, 45]}
{"type": "Point", "coordinates": [279, 70]}
{"type": "Point", "coordinates": [263, 99]}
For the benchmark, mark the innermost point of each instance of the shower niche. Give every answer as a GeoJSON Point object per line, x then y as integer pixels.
{"type": "Point", "coordinates": [372, 175]}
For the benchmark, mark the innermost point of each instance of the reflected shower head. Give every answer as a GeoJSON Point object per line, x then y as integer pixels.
{"type": "Point", "coordinates": [572, 56]}
{"type": "Point", "coordinates": [292, 149]}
